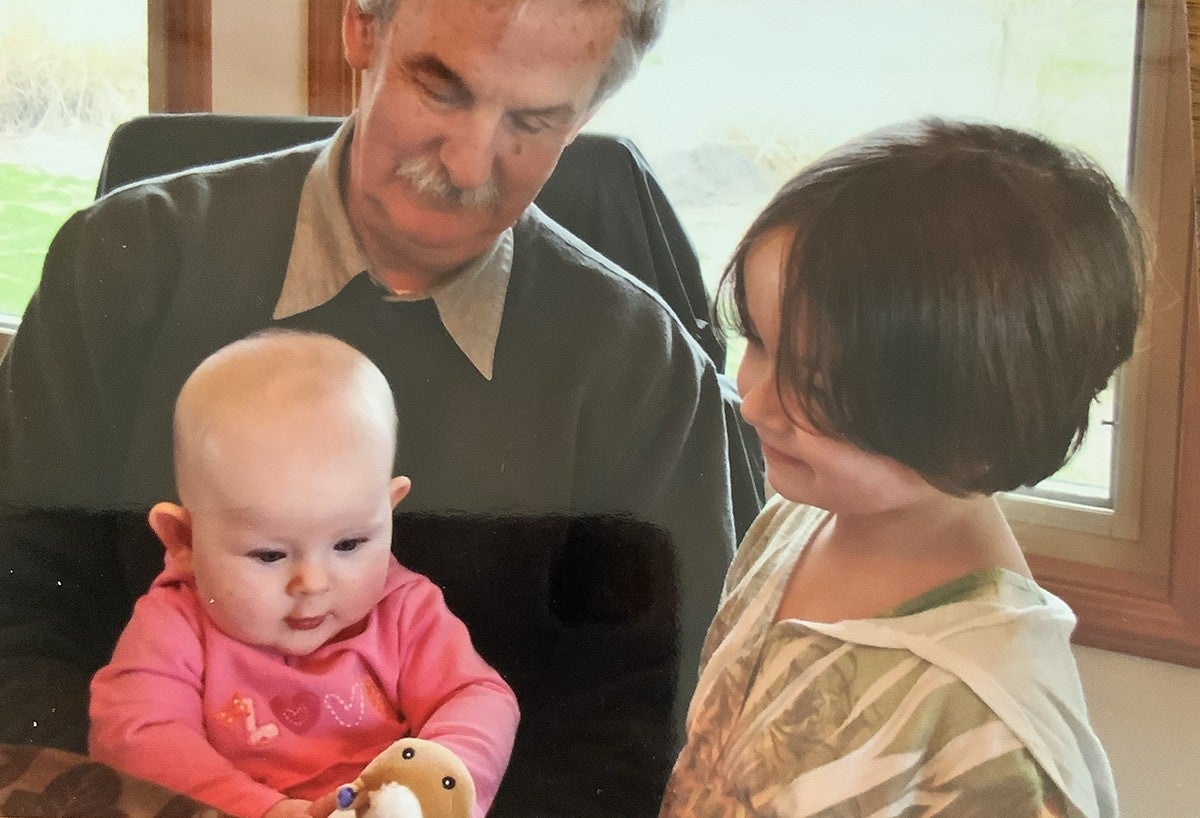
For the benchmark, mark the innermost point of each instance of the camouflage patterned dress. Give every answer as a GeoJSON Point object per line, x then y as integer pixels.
{"type": "Point", "coordinates": [962, 702]}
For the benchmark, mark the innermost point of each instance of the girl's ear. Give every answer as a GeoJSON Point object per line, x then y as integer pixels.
{"type": "Point", "coordinates": [173, 525]}
{"type": "Point", "coordinates": [398, 489]}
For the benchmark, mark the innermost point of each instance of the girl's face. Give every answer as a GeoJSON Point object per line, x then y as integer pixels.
{"type": "Point", "coordinates": [802, 464]}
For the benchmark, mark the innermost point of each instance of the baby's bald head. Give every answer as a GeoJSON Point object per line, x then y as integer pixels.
{"type": "Point", "coordinates": [282, 388]}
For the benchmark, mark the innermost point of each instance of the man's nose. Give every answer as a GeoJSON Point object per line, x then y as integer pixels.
{"type": "Point", "coordinates": [470, 149]}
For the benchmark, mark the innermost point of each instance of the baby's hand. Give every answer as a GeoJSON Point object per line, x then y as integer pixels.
{"type": "Point", "coordinates": [323, 806]}
{"type": "Point", "coordinates": [289, 808]}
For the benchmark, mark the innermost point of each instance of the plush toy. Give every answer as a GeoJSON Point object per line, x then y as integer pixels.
{"type": "Point", "coordinates": [413, 778]}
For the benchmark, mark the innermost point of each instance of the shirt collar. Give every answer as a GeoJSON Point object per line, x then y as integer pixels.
{"type": "Point", "coordinates": [326, 255]}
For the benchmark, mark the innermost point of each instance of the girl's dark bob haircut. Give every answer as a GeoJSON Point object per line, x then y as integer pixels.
{"type": "Point", "coordinates": [955, 296]}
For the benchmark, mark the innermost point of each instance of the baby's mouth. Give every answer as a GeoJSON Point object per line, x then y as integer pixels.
{"type": "Point", "coordinates": [305, 623]}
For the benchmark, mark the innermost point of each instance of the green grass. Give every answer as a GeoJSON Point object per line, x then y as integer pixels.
{"type": "Point", "coordinates": [33, 205]}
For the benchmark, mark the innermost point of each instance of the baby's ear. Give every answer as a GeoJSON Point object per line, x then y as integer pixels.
{"type": "Point", "coordinates": [398, 488]}
{"type": "Point", "coordinates": [173, 525]}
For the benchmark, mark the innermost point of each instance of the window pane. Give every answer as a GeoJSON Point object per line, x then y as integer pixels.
{"type": "Point", "coordinates": [70, 70]}
{"type": "Point", "coordinates": [740, 94]}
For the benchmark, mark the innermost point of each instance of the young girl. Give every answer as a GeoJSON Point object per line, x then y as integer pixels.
{"type": "Point", "coordinates": [930, 312]}
{"type": "Point", "coordinates": [283, 646]}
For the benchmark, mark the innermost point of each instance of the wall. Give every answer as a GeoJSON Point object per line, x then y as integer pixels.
{"type": "Point", "coordinates": [259, 56]}
{"type": "Point", "coordinates": [1148, 716]}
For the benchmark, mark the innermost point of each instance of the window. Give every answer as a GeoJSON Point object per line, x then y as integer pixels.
{"type": "Point", "coordinates": [68, 74]}
{"type": "Point", "coordinates": [730, 104]}
{"type": "Point", "coordinates": [70, 71]}
{"type": "Point", "coordinates": [724, 125]}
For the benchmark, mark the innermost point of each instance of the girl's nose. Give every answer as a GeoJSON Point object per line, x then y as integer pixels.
{"type": "Point", "coordinates": [757, 406]}
{"type": "Point", "coordinates": [760, 398]}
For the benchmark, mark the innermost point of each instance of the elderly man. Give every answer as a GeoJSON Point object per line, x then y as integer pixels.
{"type": "Point", "coordinates": [564, 435]}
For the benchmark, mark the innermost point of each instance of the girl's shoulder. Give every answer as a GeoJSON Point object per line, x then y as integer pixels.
{"type": "Point", "coordinates": [779, 533]}
{"type": "Point", "coordinates": [996, 584]}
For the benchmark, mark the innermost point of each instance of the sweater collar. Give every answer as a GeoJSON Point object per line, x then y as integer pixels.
{"type": "Point", "coordinates": [326, 255]}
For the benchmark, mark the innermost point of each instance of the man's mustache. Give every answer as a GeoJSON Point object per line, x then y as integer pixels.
{"type": "Point", "coordinates": [429, 178]}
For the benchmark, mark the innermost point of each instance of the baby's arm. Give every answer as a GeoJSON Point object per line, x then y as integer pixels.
{"type": "Point", "coordinates": [147, 718]}
{"type": "Point", "coordinates": [449, 694]}
{"type": "Point", "coordinates": [290, 808]}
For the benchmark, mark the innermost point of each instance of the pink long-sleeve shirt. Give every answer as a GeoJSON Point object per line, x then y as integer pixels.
{"type": "Point", "coordinates": [239, 727]}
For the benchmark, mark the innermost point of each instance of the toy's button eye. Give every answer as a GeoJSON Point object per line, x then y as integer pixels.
{"type": "Point", "coordinates": [409, 752]}
{"type": "Point", "coordinates": [448, 783]}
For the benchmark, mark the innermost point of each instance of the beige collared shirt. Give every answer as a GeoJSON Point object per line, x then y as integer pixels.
{"type": "Point", "coordinates": [326, 255]}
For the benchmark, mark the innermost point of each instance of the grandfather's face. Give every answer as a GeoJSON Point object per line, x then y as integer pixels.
{"type": "Point", "coordinates": [465, 108]}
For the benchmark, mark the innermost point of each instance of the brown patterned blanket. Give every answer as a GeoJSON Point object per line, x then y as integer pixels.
{"type": "Point", "coordinates": [40, 782]}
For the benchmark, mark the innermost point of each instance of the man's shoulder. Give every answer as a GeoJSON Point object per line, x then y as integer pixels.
{"type": "Point", "coordinates": [128, 250]}
{"type": "Point", "coordinates": [568, 280]}
{"type": "Point", "coordinates": [261, 180]}
{"type": "Point", "coordinates": [564, 258]}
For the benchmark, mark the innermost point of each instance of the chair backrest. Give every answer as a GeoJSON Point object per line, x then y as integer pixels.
{"type": "Point", "coordinates": [602, 190]}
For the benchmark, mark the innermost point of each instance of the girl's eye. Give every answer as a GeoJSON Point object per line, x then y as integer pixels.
{"type": "Point", "coordinates": [349, 544]}
{"type": "Point", "coordinates": [267, 556]}
{"type": "Point", "coordinates": [754, 347]}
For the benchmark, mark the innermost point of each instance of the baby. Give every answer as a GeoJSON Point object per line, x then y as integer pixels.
{"type": "Point", "coordinates": [929, 314]}
{"type": "Point", "coordinates": [283, 646]}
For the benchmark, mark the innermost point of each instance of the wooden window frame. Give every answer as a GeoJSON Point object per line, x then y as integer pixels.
{"type": "Point", "coordinates": [1152, 616]}
{"type": "Point", "coordinates": [179, 55]}
{"type": "Point", "coordinates": [332, 83]}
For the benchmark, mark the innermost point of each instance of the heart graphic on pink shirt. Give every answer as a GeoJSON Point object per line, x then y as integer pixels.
{"type": "Point", "coordinates": [298, 712]}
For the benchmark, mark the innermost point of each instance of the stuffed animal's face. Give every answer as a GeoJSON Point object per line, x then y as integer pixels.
{"type": "Point", "coordinates": [436, 778]}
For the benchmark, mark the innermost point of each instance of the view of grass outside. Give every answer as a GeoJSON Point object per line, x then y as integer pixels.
{"type": "Point", "coordinates": [740, 94]}
{"type": "Point", "coordinates": [70, 70]}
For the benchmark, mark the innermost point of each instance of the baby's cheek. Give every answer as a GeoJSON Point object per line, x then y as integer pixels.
{"type": "Point", "coordinates": [242, 614]}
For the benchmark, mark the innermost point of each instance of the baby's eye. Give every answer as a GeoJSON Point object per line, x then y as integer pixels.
{"type": "Point", "coordinates": [266, 555]}
{"type": "Point", "coordinates": [349, 544]}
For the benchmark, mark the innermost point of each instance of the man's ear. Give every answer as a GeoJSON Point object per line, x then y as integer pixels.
{"type": "Point", "coordinates": [398, 488]}
{"type": "Point", "coordinates": [359, 32]}
{"type": "Point", "coordinates": [173, 525]}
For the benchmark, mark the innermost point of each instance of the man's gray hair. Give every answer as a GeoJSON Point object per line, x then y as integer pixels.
{"type": "Point", "coordinates": [641, 23]}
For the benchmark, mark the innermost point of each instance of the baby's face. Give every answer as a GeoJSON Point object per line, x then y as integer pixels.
{"type": "Point", "coordinates": [292, 534]}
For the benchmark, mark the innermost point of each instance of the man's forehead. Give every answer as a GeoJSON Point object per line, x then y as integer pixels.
{"type": "Point", "coordinates": [443, 23]}
{"type": "Point", "coordinates": [539, 51]}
